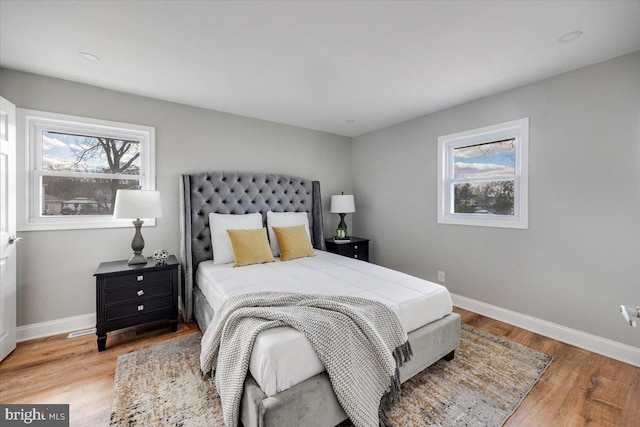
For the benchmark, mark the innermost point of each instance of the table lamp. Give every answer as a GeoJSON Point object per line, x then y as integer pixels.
{"type": "Point", "coordinates": [342, 204]}
{"type": "Point", "coordinates": [137, 204]}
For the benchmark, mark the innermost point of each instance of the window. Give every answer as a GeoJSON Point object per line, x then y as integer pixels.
{"type": "Point", "coordinates": [75, 167]}
{"type": "Point", "coordinates": [482, 176]}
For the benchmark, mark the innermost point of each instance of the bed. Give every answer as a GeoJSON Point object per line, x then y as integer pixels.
{"type": "Point", "coordinates": [301, 394]}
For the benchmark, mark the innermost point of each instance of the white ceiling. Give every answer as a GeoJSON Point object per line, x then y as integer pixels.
{"type": "Point", "coordinates": [319, 64]}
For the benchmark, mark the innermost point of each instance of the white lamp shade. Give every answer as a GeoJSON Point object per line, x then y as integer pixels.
{"type": "Point", "coordinates": [137, 204]}
{"type": "Point", "coordinates": [343, 203]}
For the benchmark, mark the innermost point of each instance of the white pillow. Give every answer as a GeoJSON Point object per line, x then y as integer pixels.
{"type": "Point", "coordinates": [220, 241]}
{"type": "Point", "coordinates": [284, 219]}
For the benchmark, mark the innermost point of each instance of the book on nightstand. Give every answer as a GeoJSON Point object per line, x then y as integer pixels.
{"type": "Point", "coordinates": [336, 240]}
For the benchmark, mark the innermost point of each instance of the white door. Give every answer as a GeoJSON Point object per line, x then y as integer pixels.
{"type": "Point", "coordinates": [8, 239]}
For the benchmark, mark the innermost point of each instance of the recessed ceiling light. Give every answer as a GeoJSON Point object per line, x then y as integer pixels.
{"type": "Point", "coordinates": [569, 37]}
{"type": "Point", "coordinates": [89, 56]}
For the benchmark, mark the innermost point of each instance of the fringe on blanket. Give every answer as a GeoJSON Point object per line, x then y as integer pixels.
{"type": "Point", "coordinates": [401, 354]}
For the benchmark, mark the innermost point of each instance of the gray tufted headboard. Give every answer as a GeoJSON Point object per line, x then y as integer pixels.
{"type": "Point", "coordinates": [237, 193]}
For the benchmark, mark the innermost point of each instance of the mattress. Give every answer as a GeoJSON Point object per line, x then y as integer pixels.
{"type": "Point", "coordinates": [283, 357]}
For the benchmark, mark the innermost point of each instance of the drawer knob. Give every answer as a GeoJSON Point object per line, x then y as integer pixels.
{"type": "Point", "coordinates": [355, 246]}
{"type": "Point", "coordinates": [140, 292]}
{"type": "Point", "coordinates": [140, 278]}
{"type": "Point", "coordinates": [355, 256]}
{"type": "Point", "coordinates": [141, 307]}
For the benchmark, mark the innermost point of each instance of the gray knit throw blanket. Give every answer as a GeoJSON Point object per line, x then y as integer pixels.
{"type": "Point", "coordinates": [360, 342]}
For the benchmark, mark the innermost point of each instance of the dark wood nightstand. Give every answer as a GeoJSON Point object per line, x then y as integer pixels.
{"type": "Point", "coordinates": [353, 247]}
{"type": "Point", "coordinates": [129, 295]}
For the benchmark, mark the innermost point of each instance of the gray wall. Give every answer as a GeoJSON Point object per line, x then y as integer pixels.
{"type": "Point", "coordinates": [55, 268]}
{"type": "Point", "coordinates": [580, 258]}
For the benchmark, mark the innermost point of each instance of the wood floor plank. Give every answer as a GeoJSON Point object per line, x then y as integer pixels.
{"type": "Point", "coordinates": [631, 412]}
{"type": "Point", "coordinates": [579, 388]}
{"type": "Point", "coordinates": [61, 370]}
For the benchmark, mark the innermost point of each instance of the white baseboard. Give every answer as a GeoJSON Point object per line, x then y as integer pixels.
{"type": "Point", "coordinates": [593, 343]}
{"type": "Point", "coordinates": [55, 327]}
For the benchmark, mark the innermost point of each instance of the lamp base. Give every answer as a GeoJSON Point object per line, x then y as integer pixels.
{"type": "Point", "coordinates": [341, 231]}
{"type": "Point", "coordinates": [137, 244]}
{"type": "Point", "coordinates": [137, 259]}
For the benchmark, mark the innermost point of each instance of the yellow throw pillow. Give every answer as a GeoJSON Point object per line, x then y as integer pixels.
{"type": "Point", "coordinates": [250, 246]}
{"type": "Point", "coordinates": [293, 242]}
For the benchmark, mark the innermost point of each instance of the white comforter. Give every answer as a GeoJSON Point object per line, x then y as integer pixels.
{"type": "Point", "coordinates": [283, 357]}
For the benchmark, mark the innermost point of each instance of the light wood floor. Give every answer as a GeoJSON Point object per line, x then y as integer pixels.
{"type": "Point", "coordinates": [578, 389]}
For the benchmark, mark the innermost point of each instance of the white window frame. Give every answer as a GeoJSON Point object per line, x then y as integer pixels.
{"type": "Point", "coordinates": [33, 123]}
{"type": "Point", "coordinates": [518, 129]}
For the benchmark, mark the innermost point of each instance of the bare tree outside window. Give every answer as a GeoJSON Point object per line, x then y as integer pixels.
{"type": "Point", "coordinates": [473, 165]}
{"type": "Point", "coordinates": [81, 174]}
{"type": "Point", "coordinates": [495, 197]}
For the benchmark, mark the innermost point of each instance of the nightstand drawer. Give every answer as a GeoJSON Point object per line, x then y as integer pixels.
{"type": "Point", "coordinates": [360, 251]}
{"type": "Point", "coordinates": [136, 308]}
{"type": "Point", "coordinates": [346, 250]}
{"type": "Point", "coordinates": [354, 247]}
{"type": "Point", "coordinates": [134, 279]}
{"type": "Point", "coordinates": [137, 292]}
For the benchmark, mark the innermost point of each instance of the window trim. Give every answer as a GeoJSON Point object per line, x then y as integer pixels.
{"type": "Point", "coordinates": [32, 121]}
{"type": "Point", "coordinates": [518, 129]}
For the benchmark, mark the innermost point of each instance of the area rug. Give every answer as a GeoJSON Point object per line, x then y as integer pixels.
{"type": "Point", "coordinates": [482, 386]}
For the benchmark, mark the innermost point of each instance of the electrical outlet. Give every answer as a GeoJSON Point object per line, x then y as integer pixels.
{"type": "Point", "coordinates": [441, 276]}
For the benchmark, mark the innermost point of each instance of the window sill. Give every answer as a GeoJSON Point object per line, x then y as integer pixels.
{"type": "Point", "coordinates": [62, 223]}
{"type": "Point", "coordinates": [485, 221]}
